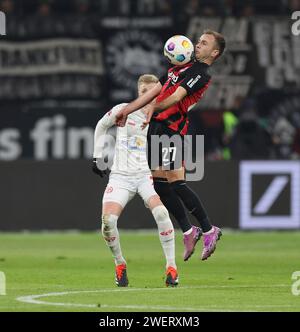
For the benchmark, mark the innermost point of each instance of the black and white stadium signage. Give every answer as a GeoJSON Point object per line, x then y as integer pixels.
{"type": "Point", "coordinates": [269, 194]}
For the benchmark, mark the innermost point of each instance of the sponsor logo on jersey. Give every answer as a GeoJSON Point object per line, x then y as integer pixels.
{"type": "Point", "coordinates": [134, 144]}
{"type": "Point", "coordinates": [193, 81]}
{"type": "Point", "coordinates": [173, 77]}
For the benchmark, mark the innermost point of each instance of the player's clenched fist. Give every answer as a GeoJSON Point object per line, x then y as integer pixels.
{"type": "Point", "coordinates": [150, 112]}
{"type": "Point", "coordinates": [121, 118]}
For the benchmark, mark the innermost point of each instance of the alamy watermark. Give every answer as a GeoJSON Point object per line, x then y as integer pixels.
{"type": "Point", "coordinates": [164, 152]}
{"type": "Point", "coordinates": [2, 24]}
{"type": "Point", "coordinates": [2, 283]}
{"type": "Point", "coordinates": [296, 285]}
{"type": "Point", "coordinates": [296, 25]}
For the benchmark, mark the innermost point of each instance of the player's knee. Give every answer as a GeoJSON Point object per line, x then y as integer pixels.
{"type": "Point", "coordinates": [109, 223]}
{"type": "Point", "coordinates": [160, 214]}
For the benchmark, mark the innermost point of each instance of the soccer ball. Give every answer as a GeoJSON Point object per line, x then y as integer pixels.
{"type": "Point", "coordinates": [178, 50]}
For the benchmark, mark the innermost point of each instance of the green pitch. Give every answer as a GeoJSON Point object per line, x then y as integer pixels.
{"type": "Point", "coordinates": [74, 272]}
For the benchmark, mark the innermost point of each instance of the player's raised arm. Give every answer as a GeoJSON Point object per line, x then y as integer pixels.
{"type": "Point", "coordinates": [177, 96]}
{"type": "Point", "coordinates": [107, 121]}
{"type": "Point", "coordinates": [196, 79]}
{"type": "Point", "coordinates": [138, 103]}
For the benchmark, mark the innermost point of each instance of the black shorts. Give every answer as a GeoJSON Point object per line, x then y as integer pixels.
{"type": "Point", "coordinates": [165, 148]}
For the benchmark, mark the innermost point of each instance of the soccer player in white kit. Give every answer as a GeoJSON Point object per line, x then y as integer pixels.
{"type": "Point", "coordinates": [130, 174]}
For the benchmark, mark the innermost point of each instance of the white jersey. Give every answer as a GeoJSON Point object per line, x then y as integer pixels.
{"type": "Point", "coordinates": [131, 142]}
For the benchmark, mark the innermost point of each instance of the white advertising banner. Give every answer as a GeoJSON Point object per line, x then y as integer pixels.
{"type": "Point", "coordinates": [269, 195]}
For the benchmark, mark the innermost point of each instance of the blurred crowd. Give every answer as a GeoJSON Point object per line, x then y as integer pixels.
{"type": "Point", "coordinates": [183, 8]}
{"type": "Point", "coordinates": [246, 131]}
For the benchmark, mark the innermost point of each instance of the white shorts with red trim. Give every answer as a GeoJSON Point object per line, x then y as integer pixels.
{"type": "Point", "coordinates": [122, 188]}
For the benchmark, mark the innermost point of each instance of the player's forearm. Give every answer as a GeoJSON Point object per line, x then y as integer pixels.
{"type": "Point", "coordinates": [176, 97]}
{"type": "Point", "coordinates": [143, 100]}
{"type": "Point", "coordinates": [170, 101]}
{"type": "Point", "coordinates": [99, 137]}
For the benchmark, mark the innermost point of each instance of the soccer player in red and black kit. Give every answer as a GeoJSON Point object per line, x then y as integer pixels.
{"type": "Point", "coordinates": [176, 93]}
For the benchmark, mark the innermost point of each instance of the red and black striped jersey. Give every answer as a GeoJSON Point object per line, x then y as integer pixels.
{"type": "Point", "coordinates": [195, 79]}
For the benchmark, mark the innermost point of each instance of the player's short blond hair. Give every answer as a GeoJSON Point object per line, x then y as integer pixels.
{"type": "Point", "coordinates": [147, 79]}
{"type": "Point", "coordinates": [219, 40]}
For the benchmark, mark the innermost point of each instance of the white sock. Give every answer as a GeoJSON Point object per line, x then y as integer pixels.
{"type": "Point", "coordinates": [188, 232]}
{"type": "Point", "coordinates": [111, 237]}
{"type": "Point", "coordinates": [210, 231]}
{"type": "Point", "coordinates": [166, 233]}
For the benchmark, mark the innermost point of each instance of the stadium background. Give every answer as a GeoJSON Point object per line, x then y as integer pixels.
{"type": "Point", "coordinates": [63, 64]}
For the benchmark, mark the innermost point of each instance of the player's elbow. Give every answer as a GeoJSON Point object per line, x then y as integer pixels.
{"type": "Point", "coordinates": [156, 89]}
{"type": "Point", "coordinates": [101, 127]}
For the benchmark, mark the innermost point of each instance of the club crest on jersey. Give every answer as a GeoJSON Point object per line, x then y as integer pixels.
{"type": "Point", "coordinates": [175, 75]}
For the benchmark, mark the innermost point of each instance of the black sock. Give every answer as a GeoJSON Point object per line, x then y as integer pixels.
{"type": "Point", "coordinates": [172, 202]}
{"type": "Point", "coordinates": [192, 202]}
